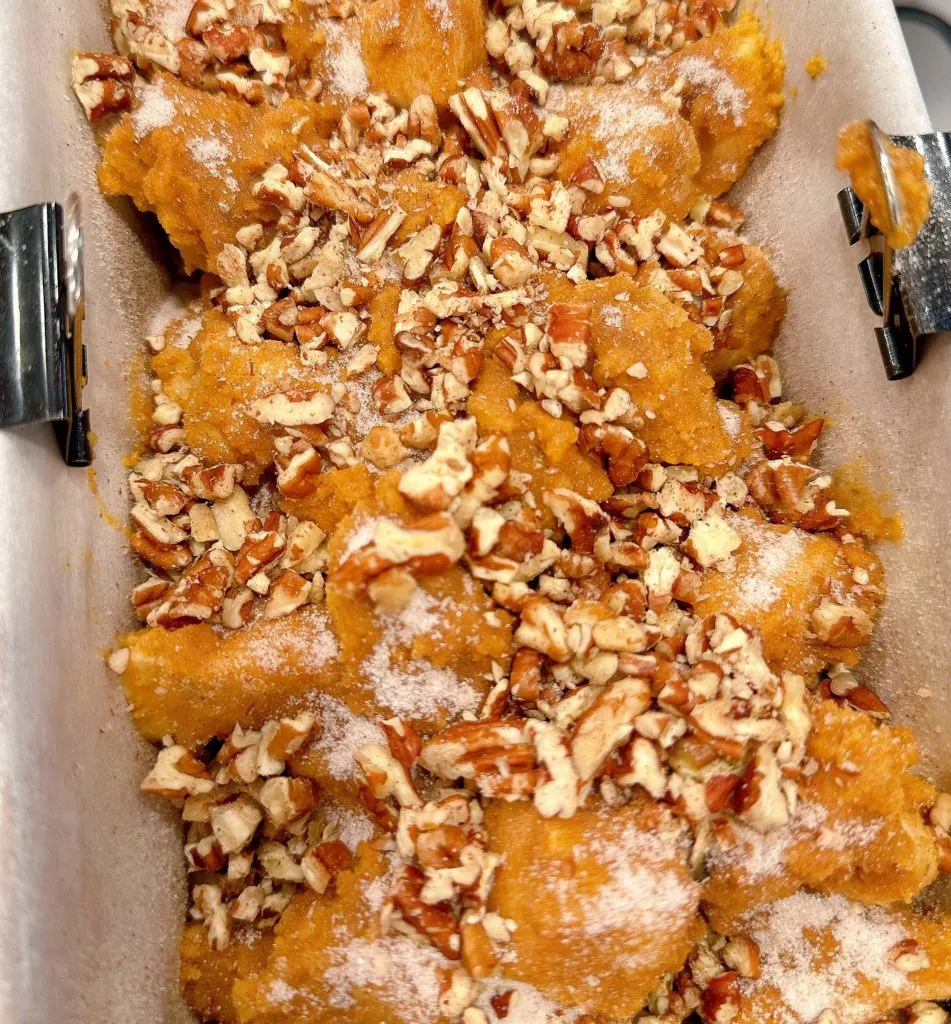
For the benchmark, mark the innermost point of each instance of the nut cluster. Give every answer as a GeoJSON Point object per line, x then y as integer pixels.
{"type": "Point", "coordinates": [596, 41]}
{"type": "Point", "coordinates": [254, 833]}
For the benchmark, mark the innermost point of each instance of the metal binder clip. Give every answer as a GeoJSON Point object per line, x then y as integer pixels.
{"type": "Point", "coordinates": [910, 288]}
{"type": "Point", "coordinates": [42, 306]}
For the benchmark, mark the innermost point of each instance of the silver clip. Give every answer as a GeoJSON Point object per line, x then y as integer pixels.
{"type": "Point", "coordinates": [42, 307]}
{"type": "Point", "coordinates": [909, 288]}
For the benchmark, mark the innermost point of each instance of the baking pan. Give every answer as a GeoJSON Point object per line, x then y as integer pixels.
{"type": "Point", "coordinates": [92, 899]}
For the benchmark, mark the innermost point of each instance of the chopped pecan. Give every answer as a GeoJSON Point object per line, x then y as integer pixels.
{"type": "Point", "coordinates": [435, 923]}
{"type": "Point", "coordinates": [841, 625]}
{"type": "Point", "coordinates": [286, 594]}
{"type": "Point", "coordinates": [569, 332]}
{"type": "Point", "coordinates": [720, 1001]}
{"type": "Point", "coordinates": [199, 593]}
{"type": "Point", "coordinates": [607, 724]}
{"type": "Point", "coordinates": [426, 547]}
{"type": "Point", "coordinates": [797, 443]}
{"type": "Point", "coordinates": [582, 518]}
{"type": "Point", "coordinates": [626, 454]}
{"type": "Point", "coordinates": [102, 83]}
{"type": "Point", "coordinates": [542, 628]}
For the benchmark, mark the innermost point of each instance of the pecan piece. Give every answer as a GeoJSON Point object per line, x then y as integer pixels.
{"type": "Point", "coordinates": [102, 83]}
{"type": "Point", "coordinates": [199, 593]}
{"type": "Point", "coordinates": [436, 923]}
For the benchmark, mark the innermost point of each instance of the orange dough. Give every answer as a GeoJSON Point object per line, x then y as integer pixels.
{"type": "Point", "coordinates": [603, 904]}
{"type": "Point", "coordinates": [329, 965]}
{"type": "Point", "coordinates": [825, 953]}
{"type": "Point", "coordinates": [775, 581]}
{"type": "Point", "coordinates": [192, 158]}
{"type": "Point", "coordinates": [631, 325]}
{"type": "Point", "coordinates": [859, 831]}
{"type": "Point", "coordinates": [414, 47]}
{"type": "Point", "coordinates": [856, 155]}
{"type": "Point", "coordinates": [731, 94]}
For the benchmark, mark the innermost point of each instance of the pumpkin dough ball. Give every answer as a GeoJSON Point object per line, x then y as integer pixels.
{"type": "Point", "coordinates": [192, 158]}
{"type": "Point", "coordinates": [603, 903]}
{"type": "Point", "coordinates": [776, 580]}
{"type": "Point", "coordinates": [217, 378]}
{"type": "Point", "coordinates": [329, 964]}
{"type": "Point", "coordinates": [639, 329]}
{"type": "Point", "coordinates": [731, 88]}
{"type": "Point", "coordinates": [416, 47]}
{"type": "Point", "coordinates": [645, 152]}
{"type": "Point", "coordinates": [859, 831]}
{"type": "Point", "coordinates": [757, 310]}
{"type": "Point", "coordinates": [826, 953]}
{"type": "Point", "coordinates": [198, 682]}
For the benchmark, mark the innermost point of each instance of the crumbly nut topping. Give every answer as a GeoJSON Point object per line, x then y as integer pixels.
{"type": "Point", "coordinates": [231, 46]}
{"type": "Point", "coordinates": [603, 41]}
{"type": "Point", "coordinates": [255, 833]}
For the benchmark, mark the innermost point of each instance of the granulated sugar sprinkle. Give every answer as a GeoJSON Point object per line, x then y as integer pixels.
{"type": "Point", "coordinates": [304, 640]}
{"type": "Point", "coordinates": [791, 935]}
{"type": "Point", "coordinates": [404, 975]}
{"type": "Point", "coordinates": [153, 110]}
{"type": "Point", "coordinates": [714, 82]}
{"type": "Point", "coordinates": [526, 1006]}
{"type": "Point", "coordinates": [415, 688]}
{"type": "Point", "coordinates": [774, 555]}
{"type": "Point", "coordinates": [612, 317]}
{"type": "Point", "coordinates": [170, 17]}
{"type": "Point", "coordinates": [443, 16]}
{"type": "Point", "coordinates": [643, 889]}
{"type": "Point", "coordinates": [348, 75]}
{"type": "Point", "coordinates": [351, 827]}
{"type": "Point", "coordinates": [342, 734]}
{"type": "Point", "coordinates": [209, 151]}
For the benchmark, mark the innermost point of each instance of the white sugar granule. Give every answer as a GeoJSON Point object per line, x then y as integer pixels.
{"type": "Point", "coordinates": [170, 17]}
{"type": "Point", "coordinates": [209, 151]}
{"type": "Point", "coordinates": [790, 936]}
{"type": "Point", "coordinates": [714, 82]}
{"type": "Point", "coordinates": [403, 974]}
{"type": "Point", "coordinates": [305, 639]}
{"type": "Point", "coordinates": [348, 75]}
{"type": "Point", "coordinates": [182, 334]}
{"type": "Point", "coordinates": [153, 110]}
{"type": "Point", "coordinates": [342, 734]}
{"type": "Point", "coordinates": [351, 827]}
{"type": "Point", "coordinates": [759, 856]}
{"type": "Point", "coordinates": [280, 992]}
{"type": "Point", "coordinates": [178, 319]}
{"type": "Point", "coordinates": [442, 14]}
{"type": "Point", "coordinates": [527, 1005]}
{"type": "Point", "coordinates": [360, 536]}
{"type": "Point", "coordinates": [376, 891]}
{"type": "Point", "coordinates": [625, 122]}
{"type": "Point", "coordinates": [731, 419]}
{"type": "Point", "coordinates": [415, 687]}
{"type": "Point", "coordinates": [775, 556]}
{"type": "Point", "coordinates": [213, 155]}
{"type": "Point", "coordinates": [643, 890]}
{"type": "Point", "coordinates": [613, 317]}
